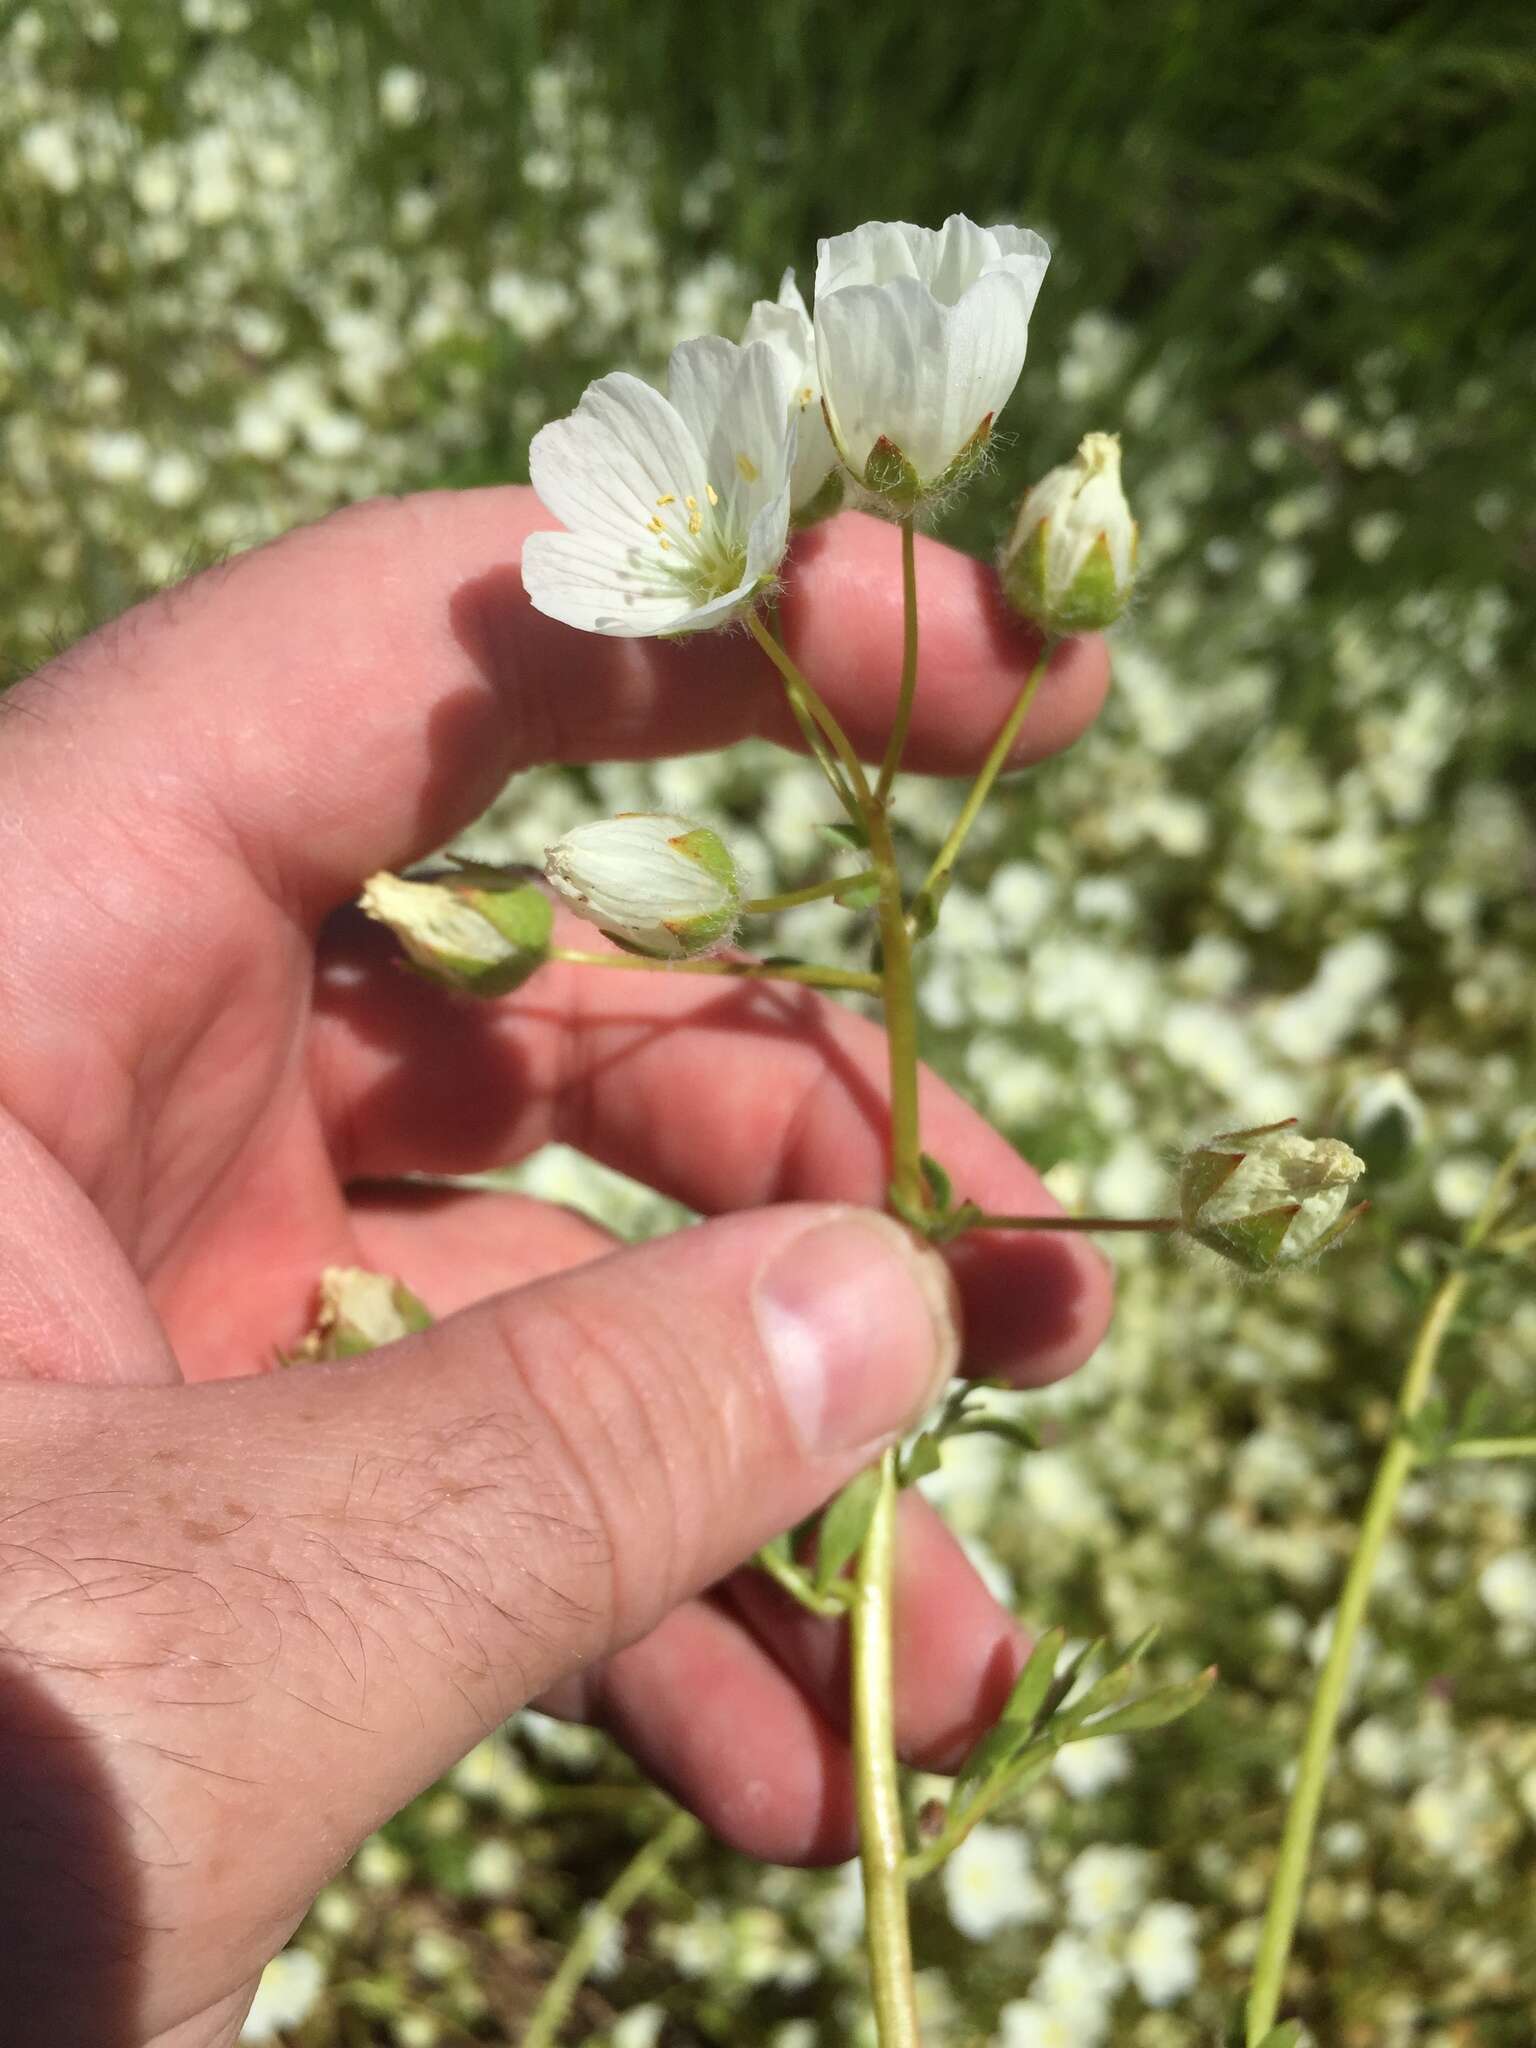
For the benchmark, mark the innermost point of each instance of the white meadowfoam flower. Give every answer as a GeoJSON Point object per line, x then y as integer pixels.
{"type": "Point", "coordinates": [656, 882]}
{"type": "Point", "coordinates": [920, 338]}
{"type": "Point", "coordinates": [1161, 1952]}
{"type": "Point", "coordinates": [815, 484]}
{"type": "Point", "coordinates": [289, 1990]}
{"type": "Point", "coordinates": [677, 507]}
{"type": "Point", "coordinates": [1071, 559]}
{"type": "Point", "coordinates": [989, 1884]}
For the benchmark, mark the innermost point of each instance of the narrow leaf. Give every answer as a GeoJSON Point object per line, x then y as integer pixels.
{"type": "Point", "coordinates": [922, 1457]}
{"type": "Point", "coordinates": [940, 1186]}
{"type": "Point", "coordinates": [1154, 1709]}
{"type": "Point", "coordinates": [847, 833]}
{"type": "Point", "coordinates": [1034, 1681]}
{"type": "Point", "coordinates": [844, 1525]}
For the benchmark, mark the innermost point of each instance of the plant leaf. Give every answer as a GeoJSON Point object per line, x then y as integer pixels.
{"type": "Point", "coordinates": [844, 1525]}
{"type": "Point", "coordinates": [1154, 1709]}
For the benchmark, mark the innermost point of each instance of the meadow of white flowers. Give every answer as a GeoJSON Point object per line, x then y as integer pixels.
{"type": "Point", "coordinates": [1290, 873]}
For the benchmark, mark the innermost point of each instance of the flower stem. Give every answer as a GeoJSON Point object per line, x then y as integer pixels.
{"type": "Point", "coordinates": [985, 1222]}
{"type": "Point", "coordinates": [811, 733]}
{"type": "Point", "coordinates": [991, 768]}
{"type": "Point", "coordinates": [632, 1883]}
{"type": "Point", "coordinates": [882, 1838]}
{"type": "Point", "coordinates": [734, 970]}
{"type": "Point", "coordinates": [807, 699]}
{"type": "Point", "coordinates": [896, 744]}
{"type": "Point", "coordinates": [1493, 1447]}
{"type": "Point", "coordinates": [909, 1188]}
{"type": "Point", "coordinates": [763, 906]}
{"type": "Point", "coordinates": [1397, 1461]}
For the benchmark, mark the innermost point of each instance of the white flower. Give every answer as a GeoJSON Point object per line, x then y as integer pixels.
{"type": "Point", "coordinates": [920, 338]}
{"type": "Point", "coordinates": [988, 1883]}
{"type": "Point", "coordinates": [492, 1868]}
{"type": "Point", "coordinates": [1105, 1883]}
{"type": "Point", "coordinates": [1161, 1954]}
{"type": "Point", "coordinates": [785, 326]}
{"type": "Point", "coordinates": [1078, 1980]}
{"type": "Point", "coordinates": [1071, 559]}
{"type": "Point", "coordinates": [1508, 1587]}
{"type": "Point", "coordinates": [1025, 2023]}
{"type": "Point", "coordinates": [1085, 1768]}
{"type": "Point", "coordinates": [286, 1996]}
{"type": "Point", "coordinates": [657, 882]}
{"type": "Point", "coordinates": [678, 507]}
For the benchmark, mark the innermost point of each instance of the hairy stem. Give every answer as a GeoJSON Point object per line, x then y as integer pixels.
{"type": "Point", "coordinates": [802, 694]}
{"type": "Point", "coordinates": [1397, 1461]}
{"type": "Point", "coordinates": [983, 1221]}
{"type": "Point", "coordinates": [732, 970]}
{"type": "Point", "coordinates": [896, 744]}
{"type": "Point", "coordinates": [882, 1838]}
{"type": "Point", "coordinates": [632, 1883]}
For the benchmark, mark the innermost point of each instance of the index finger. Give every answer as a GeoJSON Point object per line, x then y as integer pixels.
{"type": "Point", "coordinates": [350, 696]}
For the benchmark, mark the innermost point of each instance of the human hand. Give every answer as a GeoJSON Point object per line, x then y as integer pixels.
{"type": "Point", "coordinates": [246, 1615]}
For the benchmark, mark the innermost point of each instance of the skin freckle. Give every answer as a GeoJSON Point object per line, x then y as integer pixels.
{"type": "Point", "coordinates": [238, 1508]}
{"type": "Point", "coordinates": [201, 1532]}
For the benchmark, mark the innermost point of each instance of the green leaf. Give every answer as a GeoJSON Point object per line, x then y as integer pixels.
{"type": "Point", "coordinates": [1033, 1683]}
{"type": "Point", "coordinates": [861, 893]}
{"type": "Point", "coordinates": [1154, 1709]}
{"type": "Point", "coordinates": [922, 1457]}
{"type": "Point", "coordinates": [1288, 2035]}
{"type": "Point", "coordinates": [940, 1186]}
{"type": "Point", "coordinates": [844, 1525]}
{"type": "Point", "coordinates": [847, 833]}
{"type": "Point", "coordinates": [1011, 1428]}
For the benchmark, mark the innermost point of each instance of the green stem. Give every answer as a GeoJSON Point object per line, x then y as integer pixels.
{"type": "Point", "coordinates": [802, 693]}
{"type": "Point", "coordinates": [1493, 1447]}
{"type": "Point", "coordinates": [882, 1837]}
{"type": "Point", "coordinates": [732, 970]}
{"type": "Point", "coordinates": [909, 1186]}
{"type": "Point", "coordinates": [991, 768]}
{"type": "Point", "coordinates": [831, 1606]}
{"type": "Point", "coordinates": [763, 906]}
{"type": "Point", "coordinates": [896, 744]}
{"type": "Point", "coordinates": [811, 733]}
{"type": "Point", "coordinates": [1397, 1461]}
{"type": "Point", "coordinates": [983, 1221]}
{"type": "Point", "coordinates": [632, 1883]}
{"type": "Point", "coordinates": [1008, 1785]}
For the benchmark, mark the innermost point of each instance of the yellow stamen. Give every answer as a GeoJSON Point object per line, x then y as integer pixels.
{"type": "Point", "coordinates": [748, 469]}
{"type": "Point", "coordinates": [695, 523]}
{"type": "Point", "coordinates": [712, 494]}
{"type": "Point", "coordinates": [664, 542]}
{"type": "Point", "coordinates": [691, 502]}
{"type": "Point", "coordinates": [669, 499]}
{"type": "Point", "coordinates": [654, 524]}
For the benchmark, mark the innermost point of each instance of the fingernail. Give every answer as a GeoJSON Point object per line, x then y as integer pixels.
{"type": "Point", "coordinates": [859, 1325]}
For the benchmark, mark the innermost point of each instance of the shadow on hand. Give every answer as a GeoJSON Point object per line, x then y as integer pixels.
{"type": "Point", "coordinates": [70, 1932]}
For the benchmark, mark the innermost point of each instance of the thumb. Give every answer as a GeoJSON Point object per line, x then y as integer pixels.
{"type": "Point", "coordinates": [373, 1562]}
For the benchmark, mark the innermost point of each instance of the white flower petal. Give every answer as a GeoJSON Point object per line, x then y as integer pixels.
{"type": "Point", "coordinates": [784, 325]}
{"type": "Point", "coordinates": [601, 585]}
{"type": "Point", "coordinates": [880, 350]}
{"type": "Point", "coordinates": [700, 374]}
{"type": "Point", "coordinates": [988, 334]}
{"type": "Point", "coordinates": [606, 464]}
{"type": "Point", "coordinates": [752, 447]}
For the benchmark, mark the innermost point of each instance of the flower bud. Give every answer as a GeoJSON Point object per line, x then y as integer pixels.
{"type": "Point", "coordinates": [1268, 1197]}
{"type": "Point", "coordinates": [1385, 1120]}
{"type": "Point", "coordinates": [359, 1311]}
{"type": "Point", "coordinates": [656, 883]}
{"type": "Point", "coordinates": [1071, 560]}
{"type": "Point", "coordinates": [483, 930]}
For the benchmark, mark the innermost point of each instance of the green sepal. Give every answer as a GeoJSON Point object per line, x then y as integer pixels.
{"type": "Point", "coordinates": [844, 1525]}
{"type": "Point", "coordinates": [1202, 1175]}
{"type": "Point", "coordinates": [1022, 572]}
{"type": "Point", "coordinates": [888, 473]}
{"type": "Point", "coordinates": [826, 500]}
{"type": "Point", "coordinates": [709, 851]}
{"type": "Point", "coordinates": [926, 905]}
{"type": "Point", "coordinates": [1094, 598]}
{"type": "Point", "coordinates": [524, 916]}
{"type": "Point", "coordinates": [1252, 1242]}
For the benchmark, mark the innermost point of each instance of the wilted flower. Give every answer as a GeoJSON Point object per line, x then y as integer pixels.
{"type": "Point", "coordinates": [1268, 1197]}
{"type": "Point", "coordinates": [816, 482]}
{"type": "Point", "coordinates": [657, 883]}
{"type": "Point", "coordinates": [483, 930]}
{"type": "Point", "coordinates": [1071, 559]}
{"type": "Point", "coordinates": [359, 1311]}
{"type": "Point", "coordinates": [920, 338]}
{"type": "Point", "coordinates": [678, 507]}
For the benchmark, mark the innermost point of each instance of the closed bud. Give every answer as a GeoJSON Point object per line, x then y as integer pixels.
{"type": "Point", "coordinates": [658, 884]}
{"type": "Point", "coordinates": [1385, 1120]}
{"type": "Point", "coordinates": [1071, 560]}
{"type": "Point", "coordinates": [359, 1311]}
{"type": "Point", "coordinates": [482, 930]}
{"type": "Point", "coordinates": [1268, 1197]}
